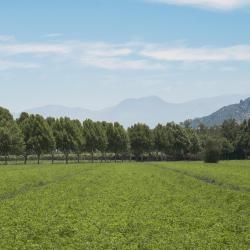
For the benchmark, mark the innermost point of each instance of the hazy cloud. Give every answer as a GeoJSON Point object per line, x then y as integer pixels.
{"type": "Point", "coordinates": [214, 4]}
{"type": "Point", "coordinates": [233, 53]}
{"type": "Point", "coordinates": [5, 65]}
{"type": "Point", "coordinates": [119, 64]}
{"type": "Point", "coordinates": [6, 38]}
{"type": "Point", "coordinates": [123, 56]}
{"type": "Point", "coordinates": [53, 35]}
{"type": "Point", "coordinates": [34, 49]}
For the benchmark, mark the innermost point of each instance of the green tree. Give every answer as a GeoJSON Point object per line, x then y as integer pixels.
{"type": "Point", "coordinates": [24, 125]}
{"type": "Point", "coordinates": [11, 138]}
{"type": "Point", "coordinates": [141, 139]}
{"type": "Point", "coordinates": [101, 137]}
{"type": "Point", "coordinates": [5, 115]}
{"type": "Point", "coordinates": [66, 136]}
{"type": "Point", "coordinates": [96, 137]}
{"type": "Point", "coordinates": [163, 139]}
{"type": "Point", "coordinates": [108, 127]}
{"type": "Point", "coordinates": [118, 139]}
{"type": "Point", "coordinates": [243, 140]}
{"type": "Point", "coordinates": [51, 122]}
{"type": "Point", "coordinates": [226, 148]}
{"type": "Point", "coordinates": [159, 138]}
{"type": "Point", "coordinates": [80, 141]}
{"type": "Point", "coordinates": [90, 136]}
{"type": "Point", "coordinates": [195, 145]}
{"type": "Point", "coordinates": [229, 130]}
{"type": "Point", "coordinates": [181, 142]}
{"type": "Point", "coordinates": [38, 135]}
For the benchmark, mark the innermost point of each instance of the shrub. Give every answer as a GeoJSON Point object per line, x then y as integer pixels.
{"type": "Point", "coordinates": [212, 151]}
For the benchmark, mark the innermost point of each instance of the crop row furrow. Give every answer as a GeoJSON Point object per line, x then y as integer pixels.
{"type": "Point", "coordinates": [40, 184]}
{"type": "Point", "coordinates": [208, 180]}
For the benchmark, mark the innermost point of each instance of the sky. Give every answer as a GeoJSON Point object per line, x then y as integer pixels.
{"type": "Point", "coordinates": [95, 53]}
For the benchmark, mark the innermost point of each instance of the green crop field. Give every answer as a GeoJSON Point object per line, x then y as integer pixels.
{"type": "Point", "coordinates": [185, 205]}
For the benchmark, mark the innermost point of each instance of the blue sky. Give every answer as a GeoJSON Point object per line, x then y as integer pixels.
{"type": "Point", "coordinates": [95, 53]}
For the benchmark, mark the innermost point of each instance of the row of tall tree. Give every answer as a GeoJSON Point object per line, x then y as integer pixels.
{"type": "Point", "coordinates": [35, 135]}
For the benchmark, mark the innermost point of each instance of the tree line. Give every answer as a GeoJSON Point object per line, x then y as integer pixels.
{"type": "Point", "coordinates": [36, 135]}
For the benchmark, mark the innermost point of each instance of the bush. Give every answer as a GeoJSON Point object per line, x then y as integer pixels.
{"type": "Point", "coordinates": [212, 151]}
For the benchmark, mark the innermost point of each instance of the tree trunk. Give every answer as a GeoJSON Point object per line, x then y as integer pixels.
{"type": "Point", "coordinates": [38, 159]}
{"type": "Point", "coordinates": [78, 158]}
{"type": "Point", "coordinates": [67, 158]}
{"type": "Point", "coordinates": [52, 158]}
{"type": "Point", "coordinates": [25, 159]}
{"type": "Point", "coordinates": [6, 160]}
{"type": "Point", "coordinates": [92, 156]}
{"type": "Point", "coordinates": [115, 157]}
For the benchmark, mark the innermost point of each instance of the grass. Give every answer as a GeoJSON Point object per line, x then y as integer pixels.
{"type": "Point", "coordinates": [184, 205]}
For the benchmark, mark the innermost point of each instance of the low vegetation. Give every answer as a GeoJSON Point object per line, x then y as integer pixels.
{"type": "Point", "coordinates": [184, 205]}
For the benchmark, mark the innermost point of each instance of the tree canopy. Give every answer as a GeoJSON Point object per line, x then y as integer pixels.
{"type": "Point", "coordinates": [11, 138]}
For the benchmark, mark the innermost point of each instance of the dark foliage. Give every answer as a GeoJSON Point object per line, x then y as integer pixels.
{"type": "Point", "coordinates": [212, 151]}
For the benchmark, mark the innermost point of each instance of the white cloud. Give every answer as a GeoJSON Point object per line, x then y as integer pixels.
{"type": "Point", "coordinates": [34, 49]}
{"type": "Point", "coordinates": [97, 54]}
{"type": "Point", "coordinates": [214, 4]}
{"type": "Point", "coordinates": [5, 38]}
{"type": "Point", "coordinates": [113, 52]}
{"type": "Point", "coordinates": [52, 35]}
{"type": "Point", "coordinates": [119, 64]}
{"type": "Point", "coordinates": [5, 65]}
{"type": "Point", "coordinates": [204, 54]}
{"type": "Point", "coordinates": [115, 57]}
{"type": "Point", "coordinates": [228, 69]}
{"type": "Point", "coordinates": [123, 56]}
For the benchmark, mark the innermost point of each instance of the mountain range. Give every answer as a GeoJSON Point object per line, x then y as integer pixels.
{"type": "Point", "coordinates": [150, 110]}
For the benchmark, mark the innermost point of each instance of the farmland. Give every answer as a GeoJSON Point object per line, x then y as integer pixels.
{"type": "Point", "coordinates": [159, 205]}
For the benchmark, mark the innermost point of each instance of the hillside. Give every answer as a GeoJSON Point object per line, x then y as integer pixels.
{"type": "Point", "coordinates": [239, 112]}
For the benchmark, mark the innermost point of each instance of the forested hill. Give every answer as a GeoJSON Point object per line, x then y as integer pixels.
{"type": "Point", "coordinates": [239, 112]}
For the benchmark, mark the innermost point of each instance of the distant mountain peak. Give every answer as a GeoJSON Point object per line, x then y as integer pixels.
{"type": "Point", "coordinates": [149, 109]}
{"type": "Point", "coordinates": [142, 99]}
